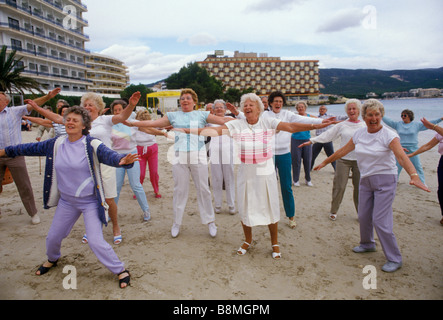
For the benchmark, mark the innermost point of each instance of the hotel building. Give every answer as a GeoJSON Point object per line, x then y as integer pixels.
{"type": "Point", "coordinates": [108, 75]}
{"type": "Point", "coordinates": [49, 36]}
{"type": "Point", "coordinates": [297, 79]}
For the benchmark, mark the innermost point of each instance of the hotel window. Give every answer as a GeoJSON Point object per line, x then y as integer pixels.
{"type": "Point", "coordinates": [16, 44]}
{"type": "Point", "coordinates": [14, 24]}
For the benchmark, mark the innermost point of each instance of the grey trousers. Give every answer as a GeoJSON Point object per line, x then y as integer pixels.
{"type": "Point", "coordinates": [341, 180]}
{"type": "Point", "coordinates": [19, 173]}
{"type": "Point", "coordinates": [377, 193]}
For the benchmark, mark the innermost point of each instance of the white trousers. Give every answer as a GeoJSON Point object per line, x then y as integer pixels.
{"type": "Point", "coordinates": [220, 173]}
{"type": "Point", "coordinates": [186, 165]}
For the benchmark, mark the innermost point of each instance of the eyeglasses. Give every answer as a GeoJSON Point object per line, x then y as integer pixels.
{"type": "Point", "coordinates": [404, 115]}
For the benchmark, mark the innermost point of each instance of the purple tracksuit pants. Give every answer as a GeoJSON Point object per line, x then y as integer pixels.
{"type": "Point", "coordinates": [377, 193]}
{"type": "Point", "coordinates": [66, 215]}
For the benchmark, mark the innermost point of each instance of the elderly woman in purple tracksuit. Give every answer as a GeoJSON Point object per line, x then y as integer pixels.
{"type": "Point", "coordinates": [76, 187]}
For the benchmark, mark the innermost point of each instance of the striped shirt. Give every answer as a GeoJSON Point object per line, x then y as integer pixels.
{"type": "Point", "coordinates": [11, 125]}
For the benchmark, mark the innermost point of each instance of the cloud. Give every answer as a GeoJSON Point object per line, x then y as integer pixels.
{"type": "Point", "coordinates": [200, 39]}
{"type": "Point", "coordinates": [146, 66]}
{"type": "Point", "coordinates": [274, 5]}
{"type": "Point", "coordinates": [342, 20]}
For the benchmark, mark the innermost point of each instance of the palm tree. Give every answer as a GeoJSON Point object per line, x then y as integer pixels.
{"type": "Point", "coordinates": [10, 74]}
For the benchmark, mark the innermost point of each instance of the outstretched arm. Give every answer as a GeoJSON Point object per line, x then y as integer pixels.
{"type": "Point", "coordinates": [404, 161]}
{"type": "Point", "coordinates": [159, 123]}
{"type": "Point", "coordinates": [433, 126]}
{"type": "Point", "coordinates": [340, 153]}
{"type": "Point", "coordinates": [206, 131]}
{"type": "Point", "coordinates": [297, 127]}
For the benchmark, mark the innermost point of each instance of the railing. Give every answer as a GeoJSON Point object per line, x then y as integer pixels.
{"type": "Point", "coordinates": [40, 54]}
{"type": "Point", "coordinates": [34, 33]}
{"type": "Point", "coordinates": [55, 75]}
{"type": "Point", "coordinates": [36, 14]}
{"type": "Point", "coordinates": [52, 3]}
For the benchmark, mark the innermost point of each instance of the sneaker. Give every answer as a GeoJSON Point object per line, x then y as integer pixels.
{"type": "Point", "coordinates": [175, 230]}
{"type": "Point", "coordinates": [231, 210]}
{"type": "Point", "coordinates": [217, 210]}
{"type": "Point", "coordinates": [35, 219]}
{"type": "Point", "coordinates": [212, 229]}
{"type": "Point", "coordinates": [309, 183]}
{"type": "Point", "coordinates": [360, 249]}
{"type": "Point", "coordinates": [297, 184]}
{"type": "Point", "coordinates": [391, 266]}
{"type": "Point", "coordinates": [146, 216]}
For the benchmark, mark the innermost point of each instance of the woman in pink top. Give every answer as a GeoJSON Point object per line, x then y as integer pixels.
{"type": "Point", "coordinates": [438, 139]}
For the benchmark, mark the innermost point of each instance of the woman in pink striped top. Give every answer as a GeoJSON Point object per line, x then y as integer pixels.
{"type": "Point", "coordinates": [257, 189]}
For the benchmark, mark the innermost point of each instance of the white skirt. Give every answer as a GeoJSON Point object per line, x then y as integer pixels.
{"type": "Point", "coordinates": [258, 199]}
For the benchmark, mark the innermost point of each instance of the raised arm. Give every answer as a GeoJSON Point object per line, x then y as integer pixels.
{"type": "Point", "coordinates": [432, 126]}
{"type": "Point", "coordinates": [404, 161]}
{"type": "Point", "coordinates": [46, 113]}
{"type": "Point", "coordinates": [126, 113]}
{"type": "Point", "coordinates": [42, 100]}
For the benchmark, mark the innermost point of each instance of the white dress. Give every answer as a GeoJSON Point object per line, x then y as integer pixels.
{"type": "Point", "coordinates": [257, 198]}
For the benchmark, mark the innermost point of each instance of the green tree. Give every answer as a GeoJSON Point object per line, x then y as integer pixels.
{"type": "Point", "coordinates": [192, 76]}
{"type": "Point", "coordinates": [144, 90]}
{"type": "Point", "coordinates": [10, 74]}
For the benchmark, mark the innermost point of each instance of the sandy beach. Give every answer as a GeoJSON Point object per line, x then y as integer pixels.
{"type": "Point", "coordinates": [317, 261]}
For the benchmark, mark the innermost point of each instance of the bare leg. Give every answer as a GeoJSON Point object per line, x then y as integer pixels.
{"type": "Point", "coordinates": [273, 229]}
{"type": "Point", "coordinates": [113, 215]}
{"type": "Point", "coordinates": [248, 236]}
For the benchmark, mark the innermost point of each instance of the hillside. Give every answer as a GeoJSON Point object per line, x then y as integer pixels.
{"type": "Point", "coordinates": [359, 82]}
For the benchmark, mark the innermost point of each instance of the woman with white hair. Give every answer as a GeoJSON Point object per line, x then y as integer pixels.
{"type": "Point", "coordinates": [376, 149]}
{"type": "Point", "coordinates": [221, 155]}
{"type": "Point", "coordinates": [257, 189]}
{"type": "Point", "coordinates": [102, 129]}
{"type": "Point", "coordinates": [343, 130]}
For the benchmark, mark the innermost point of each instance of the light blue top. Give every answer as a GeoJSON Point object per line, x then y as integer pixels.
{"type": "Point", "coordinates": [192, 120]}
{"type": "Point", "coordinates": [408, 132]}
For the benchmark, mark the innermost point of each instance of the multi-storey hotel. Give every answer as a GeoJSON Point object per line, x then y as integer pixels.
{"type": "Point", "coordinates": [295, 78]}
{"type": "Point", "coordinates": [109, 76]}
{"type": "Point", "coordinates": [49, 35]}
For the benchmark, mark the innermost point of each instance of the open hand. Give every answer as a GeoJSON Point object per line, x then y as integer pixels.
{"type": "Point", "coordinates": [135, 98]}
{"type": "Point", "coordinates": [129, 158]}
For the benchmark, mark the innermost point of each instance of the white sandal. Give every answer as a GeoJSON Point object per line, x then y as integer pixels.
{"type": "Point", "coordinates": [241, 251]}
{"type": "Point", "coordinates": [276, 255]}
{"type": "Point", "coordinates": [333, 216]}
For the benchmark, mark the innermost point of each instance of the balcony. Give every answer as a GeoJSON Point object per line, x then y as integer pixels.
{"type": "Point", "coordinates": [38, 14]}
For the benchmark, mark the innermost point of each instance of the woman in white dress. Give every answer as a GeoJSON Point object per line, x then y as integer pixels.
{"type": "Point", "coordinates": [257, 195]}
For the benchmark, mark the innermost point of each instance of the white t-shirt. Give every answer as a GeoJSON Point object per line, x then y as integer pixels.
{"type": "Point", "coordinates": [102, 129]}
{"type": "Point", "coordinates": [373, 153]}
{"type": "Point", "coordinates": [345, 131]}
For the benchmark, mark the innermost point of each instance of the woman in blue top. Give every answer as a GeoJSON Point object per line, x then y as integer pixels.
{"type": "Point", "coordinates": [189, 159]}
{"type": "Point", "coordinates": [304, 153]}
{"type": "Point", "coordinates": [408, 131]}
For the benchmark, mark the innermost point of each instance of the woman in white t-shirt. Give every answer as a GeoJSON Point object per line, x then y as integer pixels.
{"type": "Point", "coordinates": [343, 130]}
{"type": "Point", "coordinates": [376, 149]}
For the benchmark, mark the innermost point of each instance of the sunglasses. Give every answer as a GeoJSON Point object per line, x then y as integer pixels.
{"type": "Point", "coordinates": [404, 115]}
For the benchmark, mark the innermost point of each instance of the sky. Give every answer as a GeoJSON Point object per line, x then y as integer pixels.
{"type": "Point", "coordinates": [157, 38]}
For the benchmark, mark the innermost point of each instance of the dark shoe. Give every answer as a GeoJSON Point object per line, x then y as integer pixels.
{"type": "Point", "coordinates": [44, 270]}
{"type": "Point", "coordinates": [126, 280]}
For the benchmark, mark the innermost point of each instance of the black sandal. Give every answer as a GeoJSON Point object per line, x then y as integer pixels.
{"type": "Point", "coordinates": [44, 270]}
{"type": "Point", "coordinates": [126, 279]}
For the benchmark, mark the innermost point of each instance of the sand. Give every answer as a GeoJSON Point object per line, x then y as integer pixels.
{"type": "Point", "coordinates": [317, 261]}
